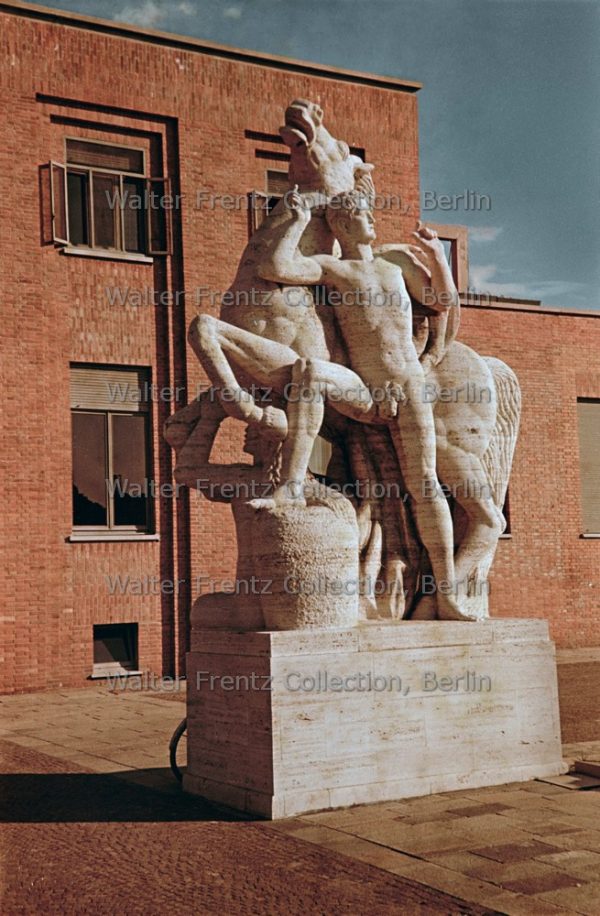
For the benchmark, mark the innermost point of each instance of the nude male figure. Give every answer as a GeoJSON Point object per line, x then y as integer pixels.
{"type": "Point", "coordinates": [223, 347]}
{"type": "Point", "coordinates": [373, 311]}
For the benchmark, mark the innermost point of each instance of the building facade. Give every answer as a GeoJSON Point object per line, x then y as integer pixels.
{"type": "Point", "coordinates": [103, 553]}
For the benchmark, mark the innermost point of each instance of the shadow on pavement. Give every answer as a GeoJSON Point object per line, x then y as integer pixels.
{"type": "Point", "coordinates": [98, 797]}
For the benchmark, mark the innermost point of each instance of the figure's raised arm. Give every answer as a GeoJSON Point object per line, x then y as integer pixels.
{"type": "Point", "coordinates": [283, 262]}
{"type": "Point", "coordinates": [425, 268]}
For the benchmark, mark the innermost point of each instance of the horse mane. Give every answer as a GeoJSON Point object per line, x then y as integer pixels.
{"type": "Point", "coordinates": [497, 459]}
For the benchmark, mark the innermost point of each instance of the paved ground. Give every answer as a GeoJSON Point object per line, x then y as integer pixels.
{"type": "Point", "coordinates": [92, 822]}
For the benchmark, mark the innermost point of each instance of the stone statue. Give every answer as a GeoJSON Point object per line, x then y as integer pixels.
{"type": "Point", "coordinates": [369, 383]}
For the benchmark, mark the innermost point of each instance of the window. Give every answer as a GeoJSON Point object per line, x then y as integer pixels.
{"type": "Point", "coordinates": [111, 436]}
{"type": "Point", "coordinates": [456, 245]}
{"type": "Point", "coordinates": [103, 200]}
{"type": "Point", "coordinates": [115, 649]}
{"type": "Point", "coordinates": [588, 416]}
{"type": "Point", "coordinates": [262, 202]}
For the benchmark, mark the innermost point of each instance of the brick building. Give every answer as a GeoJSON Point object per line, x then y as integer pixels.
{"type": "Point", "coordinates": [93, 107]}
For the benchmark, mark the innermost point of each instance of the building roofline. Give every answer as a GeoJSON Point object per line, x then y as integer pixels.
{"type": "Point", "coordinates": [502, 303]}
{"type": "Point", "coordinates": [200, 46]}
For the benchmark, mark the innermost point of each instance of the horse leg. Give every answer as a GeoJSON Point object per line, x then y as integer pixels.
{"type": "Point", "coordinates": [464, 476]}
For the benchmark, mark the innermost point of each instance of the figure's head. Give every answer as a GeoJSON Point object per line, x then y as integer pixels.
{"type": "Point", "coordinates": [350, 218]}
{"type": "Point", "coordinates": [318, 162]}
{"type": "Point", "coordinates": [302, 120]}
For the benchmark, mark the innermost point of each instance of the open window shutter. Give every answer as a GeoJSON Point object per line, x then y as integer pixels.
{"type": "Point", "coordinates": [159, 227]}
{"type": "Point", "coordinates": [588, 415]}
{"type": "Point", "coordinates": [58, 201]}
{"type": "Point", "coordinates": [109, 388]}
{"type": "Point", "coordinates": [258, 209]}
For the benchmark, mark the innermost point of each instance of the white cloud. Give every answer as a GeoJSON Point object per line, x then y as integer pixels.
{"type": "Point", "coordinates": [150, 13]}
{"type": "Point", "coordinates": [484, 233]}
{"type": "Point", "coordinates": [146, 14]}
{"type": "Point", "coordinates": [483, 279]}
{"type": "Point", "coordinates": [233, 12]}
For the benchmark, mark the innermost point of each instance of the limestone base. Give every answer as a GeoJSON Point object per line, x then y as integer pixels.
{"type": "Point", "coordinates": [282, 723]}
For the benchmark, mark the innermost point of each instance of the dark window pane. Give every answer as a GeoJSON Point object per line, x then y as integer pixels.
{"type": "Point", "coordinates": [107, 210]}
{"type": "Point", "coordinates": [116, 643]}
{"type": "Point", "coordinates": [89, 469]}
{"type": "Point", "coordinates": [130, 485]}
{"type": "Point", "coordinates": [272, 202]}
{"type": "Point", "coordinates": [77, 190]}
{"type": "Point", "coordinates": [506, 512]}
{"type": "Point", "coordinates": [133, 213]}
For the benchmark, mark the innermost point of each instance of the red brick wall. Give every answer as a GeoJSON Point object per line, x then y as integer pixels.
{"type": "Point", "coordinates": [191, 111]}
{"type": "Point", "coordinates": [546, 569]}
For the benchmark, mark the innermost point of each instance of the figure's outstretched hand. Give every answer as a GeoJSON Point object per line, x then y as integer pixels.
{"type": "Point", "coordinates": [427, 246]}
{"type": "Point", "coordinates": [296, 205]}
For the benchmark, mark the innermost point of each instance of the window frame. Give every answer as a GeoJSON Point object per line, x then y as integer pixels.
{"type": "Point", "coordinates": [130, 639]}
{"type": "Point", "coordinates": [458, 238]}
{"type": "Point", "coordinates": [90, 171]}
{"type": "Point", "coordinates": [147, 251]}
{"type": "Point", "coordinates": [111, 529]}
{"type": "Point", "coordinates": [111, 526]}
{"type": "Point", "coordinates": [583, 534]}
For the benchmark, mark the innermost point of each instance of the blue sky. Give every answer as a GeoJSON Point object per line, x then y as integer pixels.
{"type": "Point", "coordinates": [510, 109]}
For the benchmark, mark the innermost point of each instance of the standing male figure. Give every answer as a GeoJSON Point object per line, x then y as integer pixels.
{"type": "Point", "coordinates": [373, 311]}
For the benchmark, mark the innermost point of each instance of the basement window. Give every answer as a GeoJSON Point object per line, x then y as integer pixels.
{"type": "Point", "coordinates": [103, 201]}
{"type": "Point", "coordinates": [115, 649]}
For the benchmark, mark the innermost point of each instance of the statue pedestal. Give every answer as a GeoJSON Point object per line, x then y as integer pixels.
{"type": "Point", "coordinates": [285, 722]}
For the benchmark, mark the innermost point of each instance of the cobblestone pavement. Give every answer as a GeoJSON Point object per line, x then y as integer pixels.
{"type": "Point", "coordinates": [93, 822]}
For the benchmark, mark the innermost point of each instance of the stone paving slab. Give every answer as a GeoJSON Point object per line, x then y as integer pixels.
{"type": "Point", "coordinates": [523, 848]}
{"type": "Point", "coordinates": [75, 842]}
{"type": "Point", "coordinates": [582, 899]}
{"type": "Point", "coordinates": [575, 781]}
